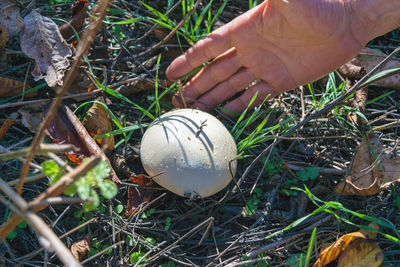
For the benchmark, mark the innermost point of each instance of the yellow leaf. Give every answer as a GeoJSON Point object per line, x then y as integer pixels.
{"type": "Point", "coordinates": [333, 251]}
{"type": "Point", "coordinates": [361, 253]}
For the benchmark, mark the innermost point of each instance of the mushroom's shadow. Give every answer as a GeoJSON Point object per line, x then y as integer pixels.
{"type": "Point", "coordinates": [175, 120]}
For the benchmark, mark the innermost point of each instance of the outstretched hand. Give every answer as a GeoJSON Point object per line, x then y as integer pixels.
{"type": "Point", "coordinates": [280, 44]}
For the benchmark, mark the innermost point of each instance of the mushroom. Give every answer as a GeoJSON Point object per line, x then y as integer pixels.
{"type": "Point", "coordinates": [189, 152]}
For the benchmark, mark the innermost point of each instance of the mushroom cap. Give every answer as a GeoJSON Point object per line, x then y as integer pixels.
{"type": "Point", "coordinates": [193, 151]}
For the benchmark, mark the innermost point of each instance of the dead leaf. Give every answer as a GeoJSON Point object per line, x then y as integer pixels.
{"type": "Point", "coordinates": [42, 41]}
{"type": "Point", "coordinates": [138, 195]}
{"type": "Point", "coordinates": [65, 128]}
{"type": "Point", "coordinates": [370, 174]}
{"type": "Point", "coordinates": [333, 251]}
{"type": "Point", "coordinates": [139, 85]}
{"type": "Point", "coordinates": [368, 58]}
{"type": "Point", "coordinates": [359, 103]}
{"type": "Point", "coordinates": [78, 18]}
{"type": "Point", "coordinates": [361, 253]}
{"type": "Point", "coordinates": [3, 42]}
{"type": "Point", "coordinates": [10, 87]}
{"type": "Point", "coordinates": [97, 121]}
{"type": "Point", "coordinates": [32, 116]}
{"type": "Point", "coordinates": [10, 17]}
{"type": "Point", "coordinates": [7, 124]}
{"type": "Point", "coordinates": [81, 248]}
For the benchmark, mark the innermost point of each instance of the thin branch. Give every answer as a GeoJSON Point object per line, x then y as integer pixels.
{"type": "Point", "coordinates": [40, 226]}
{"type": "Point", "coordinates": [43, 149]}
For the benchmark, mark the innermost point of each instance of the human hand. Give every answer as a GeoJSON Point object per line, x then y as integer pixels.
{"type": "Point", "coordinates": [280, 44]}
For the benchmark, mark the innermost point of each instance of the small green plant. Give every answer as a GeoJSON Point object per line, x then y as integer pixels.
{"type": "Point", "coordinates": [252, 205]}
{"type": "Point", "coordinates": [85, 186]}
{"type": "Point", "coordinates": [138, 257]}
{"type": "Point", "coordinates": [167, 223]}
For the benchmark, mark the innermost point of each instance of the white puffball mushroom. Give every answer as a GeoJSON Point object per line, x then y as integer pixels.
{"type": "Point", "coordinates": [193, 151]}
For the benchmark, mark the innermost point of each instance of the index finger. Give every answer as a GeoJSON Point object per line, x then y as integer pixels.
{"type": "Point", "coordinates": [204, 50]}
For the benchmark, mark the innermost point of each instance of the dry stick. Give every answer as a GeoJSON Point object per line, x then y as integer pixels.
{"type": "Point", "coordinates": [103, 251]}
{"type": "Point", "coordinates": [360, 84]}
{"type": "Point", "coordinates": [55, 190]}
{"type": "Point", "coordinates": [87, 39]}
{"type": "Point", "coordinates": [43, 149]}
{"type": "Point", "coordinates": [20, 159]}
{"type": "Point", "coordinates": [34, 253]}
{"type": "Point", "coordinates": [279, 242]}
{"type": "Point", "coordinates": [58, 200]}
{"type": "Point", "coordinates": [40, 226]}
{"type": "Point", "coordinates": [169, 36]}
{"type": "Point", "coordinates": [28, 179]}
{"type": "Point", "coordinates": [22, 103]}
{"type": "Point", "coordinates": [195, 229]}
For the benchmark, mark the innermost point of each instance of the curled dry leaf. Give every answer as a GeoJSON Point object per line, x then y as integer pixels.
{"type": "Point", "coordinates": [10, 87]}
{"type": "Point", "coordinates": [332, 252]}
{"type": "Point", "coordinates": [138, 195]}
{"type": "Point", "coordinates": [10, 17]}
{"type": "Point", "coordinates": [361, 253]}
{"type": "Point", "coordinates": [78, 18]}
{"type": "Point", "coordinates": [31, 116]}
{"type": "Point", "coordinates": [3, 42]}
{"type": "Point", "coordinates": [65, 128]}
{"type": "Point", "coordinates": [81, 248]}
{"type": "Point", "coordinates": [7, 124]}
{"type": "Point", "coordinates": [97, 121]}
{"type": "Point", "coordinates": [42, 41]}
{"type": "Point", "coordinates": [368, 59]}
{"type": "Point", "coordinates": [371, 170]}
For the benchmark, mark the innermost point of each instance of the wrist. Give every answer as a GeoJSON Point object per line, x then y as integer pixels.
{"type": "Point", "coordinates": [374, 18]}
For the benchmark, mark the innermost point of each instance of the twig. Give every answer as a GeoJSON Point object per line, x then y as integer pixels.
{"type": "Point", "coordinates": [34, 253]}
{"type": "Point", "coordinates": [58, 200]}
{"type": "Point", "coordinates": [87, 39]}
{"type": "Point", "coordinates": [33, 165]}
{"type": "Point", "coordinates": [43, 149]}
{"type": "Point", "coordinates": [40, 227]}
{"type": "Point", "coordinates": [55, 190]}
{"type": "Point", "coordinates": [103, 251]}
{"type": "Point", "coordinates": [28, 179]}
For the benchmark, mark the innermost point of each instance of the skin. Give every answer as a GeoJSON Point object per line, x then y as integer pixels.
{"type": "Point", "coordinates": [280, 45]}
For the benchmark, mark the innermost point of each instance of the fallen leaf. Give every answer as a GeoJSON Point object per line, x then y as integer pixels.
{"type": "Point", "coordinates": [78, 18]}
{"type": "Point", "coordinates": [65, 128]}
{"type": "Point", "coordinates": [97, 121]}
{"type": "Point", "coordinates": [3, 42]}
{"type": "Point", "coordinates": [10, 87]}
{"type": "Point", "coordinates": [31, 116]}
{"type": "Point", "coordinates": [369, 175]}
{"type": "Point", "coordinates": [368, 58]}
{"type": "Point", "coordinates": [138, 195]}
{"type": "Point", "coordinates": [139, 85]}
{"type": "Point", "coordinates": [359, 103]}
{"type": "Point", "coordinates": [361, 253]}
{"type": "Point", "coordinates": [81, 248]}
{"type": "Point", "coordinates": [42, 41]}
{"type": "Point", "coordinates": [332, 252]}
{"type": "Point", "coordinates": [10, 17]}
{"type": "Point", "coordinates": [7, 124]}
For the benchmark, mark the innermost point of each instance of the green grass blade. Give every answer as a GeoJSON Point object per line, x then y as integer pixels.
{"type": "Point", "coordinates": [310, 247]}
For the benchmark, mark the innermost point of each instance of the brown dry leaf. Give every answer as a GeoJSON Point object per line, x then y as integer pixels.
{"type": "Point", "coordinates": [369, 58]}
{"type": "Point", "coordinates": [10, 18]}
{"type": "Point", "coordinates": [361, 253]}
{"type": "Point", "coordinates": [97, 121]}
{"type": "Point", "coordinates": [368, 176]}
{"type": "Point", "coordinates": [3, 42]}
{"type": "Point", "coordinates": [140, 85]}
{"type": "Point", "coordinates": [32, 115]}
{"type": "Point", "coordinates": [42, 41]}
{"type": "Point", "coordinates": [65, 128]}
{"type": "Point", "coordinates": [81, 248]}
{"type": "Point", "coordinates": [138, 195]}
{"type": "Point", "coordinates": [7, 124]}
{"type": "Point", "coordinates": [333, 251]}
{"type": "Point", "coordinates": [10, 87]}
{"type": "Point", "coordinates": [78, 18]}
